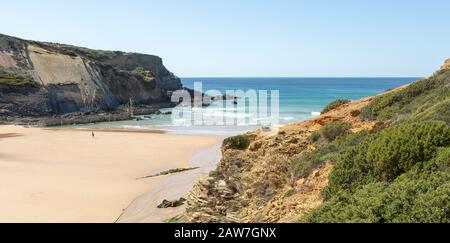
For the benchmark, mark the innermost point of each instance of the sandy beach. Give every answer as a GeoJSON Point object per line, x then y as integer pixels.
{"type": "Point", "coordinates": [68, 176]}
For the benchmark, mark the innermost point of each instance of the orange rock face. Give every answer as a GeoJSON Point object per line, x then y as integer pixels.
{"type": "Point", "coordinates": [446, 64]}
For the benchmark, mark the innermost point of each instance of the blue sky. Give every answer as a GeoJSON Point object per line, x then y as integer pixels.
{"type": "Point", "coordinates": [206, 38]}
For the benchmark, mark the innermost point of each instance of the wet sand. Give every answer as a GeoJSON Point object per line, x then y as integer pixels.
{"type": "Point", "coordinates": [68, 176]}
{"type": "Point", "coordinates": [144, 209]}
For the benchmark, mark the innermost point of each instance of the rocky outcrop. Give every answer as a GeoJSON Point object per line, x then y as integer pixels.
{"type": "Point", "coordinates": [446, 64]}
{"type": "Point", "coordinates": [68, 81]}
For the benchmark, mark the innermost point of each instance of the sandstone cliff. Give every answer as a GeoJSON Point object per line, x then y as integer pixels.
{"type": "Point", "coordinates": [40, 80]}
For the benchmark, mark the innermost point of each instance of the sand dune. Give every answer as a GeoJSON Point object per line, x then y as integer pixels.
{"type": "Point", "coordinates": [67, 176]}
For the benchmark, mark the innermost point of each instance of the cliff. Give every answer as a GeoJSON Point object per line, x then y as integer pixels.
{"type": "Point", "coordinates": [380, 159]}
{"type": "Point", "coordinates": [55, 83]}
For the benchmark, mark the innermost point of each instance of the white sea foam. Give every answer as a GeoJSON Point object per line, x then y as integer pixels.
{"type": "Point", "coordinates": [133, 127]}
{"type": "Point", "coordinates": [288, 118]}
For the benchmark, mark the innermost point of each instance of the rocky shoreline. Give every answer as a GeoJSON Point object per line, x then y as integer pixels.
{"type": "Point", "coordinates": [55, 84]}
{"type": "Point", "coordinates": [78, 118]}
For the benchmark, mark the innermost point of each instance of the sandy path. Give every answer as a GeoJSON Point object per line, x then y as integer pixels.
{"type": "Point", "coordinates": [66, 176]}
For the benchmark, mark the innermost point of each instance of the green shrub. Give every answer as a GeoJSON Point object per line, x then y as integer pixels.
{"type": "Point", "coordinates": [416, 97]}
{"type": "Point", "coordinates": [139, 71]}
{"type": "Point", "coordinates": [413, 198]}
{"type": "Point", "coordinates": [351, 171]}
{"type": "Point", "coordinates": [335, 104]}
{"type": "Point", "coordinates": [419, 198]}
{"type": "Point", "coordinates": [172, 204]}
{"type": "Point", "coordinates": [360, 207]}
{"type": "Point", "coordinates": [240, 142]}
{"type": "Point", "coordinates": [381, 157]}
{"type": "Point", "coordinates": [306, 163]}
{"type": "Point", "coordinates": [431, 207]}
{"type": "Point", "coordinates": [315, 137]}
{"type": "Point", "coordinates": [333, 130]}
{"type": "Point", "coordinates": [396, 174]}
{"type": "Point", "coordinates": [399, 148]}
{"type": "Point", "coordinates": [401, 174]}
{"type": "Point", "coordinates": [12, 79]}
{"type": "Point", "coordinates": [438, 112]}
{"type": "Point", "coordinates": [89, 53]}
{"type": "Point", "coordinates": [440, 163]}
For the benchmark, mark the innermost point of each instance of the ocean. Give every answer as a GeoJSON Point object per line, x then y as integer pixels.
{"type": "Point", "coordinates": [299, 99]}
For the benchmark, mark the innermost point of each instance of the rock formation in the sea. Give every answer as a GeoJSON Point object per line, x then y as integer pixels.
{"type": "Point", "coordinates": [54, 83]}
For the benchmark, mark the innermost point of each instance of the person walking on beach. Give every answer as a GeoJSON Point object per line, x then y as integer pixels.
{"type": "Point", "coordinates": [93, 134]}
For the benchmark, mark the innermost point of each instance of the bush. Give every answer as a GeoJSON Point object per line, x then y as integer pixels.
{"type": "Point", "coordinates": [240, 142]}
{"type": "Point", "coordinates": [399, 148]}
{"type": "Point", "coordinates": [333, 130]}
{"type": "Point", "coordinates": [360, 207]}
{"type": "Point", "coordinates": [382, 156]}
{"type": "Point", "coordinates": [351, 171]}
{"type": "Point", "coordinates": [12, 79]}
{"type": "Point", "coordinates": [440, 163]}
{"type": "Point", "coordinates": [315, 137]}
{"type": "Point", "coordinates": [419, 198]}
{"type": "Point", "coordinates": [89, 53]}
{"type": "Point", "coordinates": [397, 174]}
{"type": "Point", "coordinates": [438, 112]}
{"type": "Point", "coordinates": [416, 97]}
{"type": "Point", "coordinates": [335, 104]}
{"type": "Point", "coordinates": [413, 198]}
{"type": "Point", "coordinates": [306, 163]}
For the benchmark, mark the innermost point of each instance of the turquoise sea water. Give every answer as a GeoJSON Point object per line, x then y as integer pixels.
{"type": "Point", "coordinates": [300, 99]}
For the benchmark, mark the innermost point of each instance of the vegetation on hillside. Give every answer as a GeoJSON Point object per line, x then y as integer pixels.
{"type": "Point", "coordinates": [145, 75]}
{"type": "Point", "coordinates": [331, 131]}
{"type": "Point", "coordinates": [239, 142]}
{"type": "Point", "coordinates": [400, 173]}
{"type": "Point", "coordinates": [307, 162]}
{"type": "Point", "coordinates": [426, 99]}
{"type": "Point", "coordinates": [12, 79]}
{"type": "Point", "coordinates": [70, 50]}
{"type": "Point", "coordinates": [335, 104]}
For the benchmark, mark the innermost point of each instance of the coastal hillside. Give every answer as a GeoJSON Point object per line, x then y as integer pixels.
{"type": "Point", "coordinates": [55, 83]}
{"type": "Point", "coordinates": [380, 159]}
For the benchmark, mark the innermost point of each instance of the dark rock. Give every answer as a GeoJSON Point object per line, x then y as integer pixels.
{"type": "Point", "coordinates": [355, 113]}
{"type": "Point", "coordinates": [172, 204]}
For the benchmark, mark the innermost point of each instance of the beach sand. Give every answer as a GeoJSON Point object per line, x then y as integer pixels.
{"type": "Point", "coordinates": [68, 176]}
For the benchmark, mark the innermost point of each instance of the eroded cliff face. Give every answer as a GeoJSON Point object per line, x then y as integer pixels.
{"type": "Point", "coordinates": [62, 80]}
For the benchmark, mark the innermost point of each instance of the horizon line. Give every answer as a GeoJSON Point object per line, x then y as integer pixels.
{"type": "Point", "coordinates": [287, 77]}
